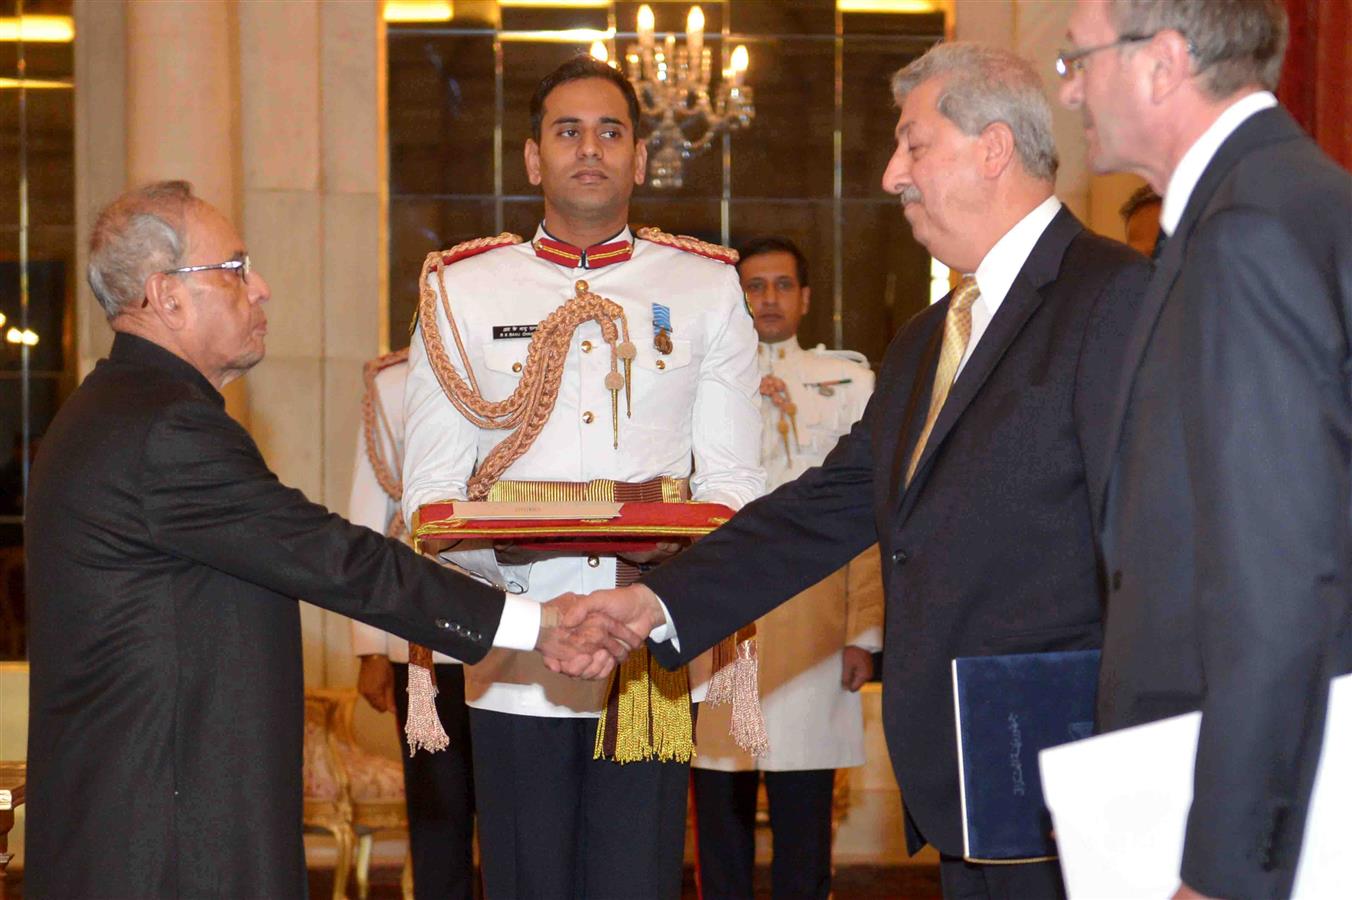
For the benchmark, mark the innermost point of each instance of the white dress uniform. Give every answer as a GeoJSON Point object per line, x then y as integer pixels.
{"type": "Point", "coordinates": [812, 722]}
{"type": "Point", "coordinates": [370, 506]}
{"type": "Point", "coordinates": [694, 414]}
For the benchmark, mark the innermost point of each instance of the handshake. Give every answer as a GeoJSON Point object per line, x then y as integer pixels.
{"type": "Point", "coordinates": [586, 636]}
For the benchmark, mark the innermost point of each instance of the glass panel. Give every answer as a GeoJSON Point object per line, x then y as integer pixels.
{"type": "Point", "coordinates": [43, 397]}
{"type": "Point", "coordinates": [787, 149]}
{"type": "Point", "coordinates": [785, 17]}
{"type": "Point", "coordinates": [697, 218]}
{"type": "Point", "coordinates": [46, 314]}
{"type": "Point", "coordinates": [886, 276]}
{"type": "Point", "coordinates": [441, 110]}
{"type": "Point", "coordinates": [37, 191]}
{"type": "Point", "coordinates": [417, 227]}
{"type": "Point", "coordinates": [870, 115]}
{"type": "Point", "coordinates": [523, 216]}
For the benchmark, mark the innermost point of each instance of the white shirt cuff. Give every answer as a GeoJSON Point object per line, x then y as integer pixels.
{"type": "Point", "coordinates": [667, 630]}
{"type": "Point", "coordinates": [519, 628]}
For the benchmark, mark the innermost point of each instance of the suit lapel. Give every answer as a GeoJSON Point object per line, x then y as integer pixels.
{"type": "Point", "coordinates": [1020, 303]}
{"type": "Point", "coordinates": [913, 414]}
{"type": "Point", "coordinates": [1262, 128]}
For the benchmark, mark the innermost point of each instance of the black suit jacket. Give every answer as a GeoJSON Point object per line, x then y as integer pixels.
{"type": "Point", "coordinates": [1226, 526]}
{"type": "Point", "coordinates": [165, 716]}
{"type": "Point", "coordinates": [990, 550]}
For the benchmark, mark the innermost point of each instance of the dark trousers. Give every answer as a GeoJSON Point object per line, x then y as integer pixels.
{"type": "Point", "coordinates": [440, 792]}
{"type": "Point", "coordinates": [555, 824]}
{"type": "Point", "coordinates": [800, 828]}
{"type": "Point", "coordinates": [963, 880]}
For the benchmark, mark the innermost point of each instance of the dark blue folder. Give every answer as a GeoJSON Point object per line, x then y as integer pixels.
{"type": "Point", "coordinates": [1009, 708]}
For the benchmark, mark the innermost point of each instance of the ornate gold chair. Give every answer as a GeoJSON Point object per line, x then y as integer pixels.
{"type": "Point", "coordinates": [349, 793]}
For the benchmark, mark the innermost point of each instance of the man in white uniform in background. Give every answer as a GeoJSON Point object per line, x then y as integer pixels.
{"type": "Point", "coordinates": [438, 787]}
{"type": "Point", "coordinates": [816, 650]}
{"type": "Point", "coordinates": [553, 821]}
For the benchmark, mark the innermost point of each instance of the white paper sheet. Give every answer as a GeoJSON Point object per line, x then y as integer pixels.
{"type": "Point", "coordinates": [1120, 801]}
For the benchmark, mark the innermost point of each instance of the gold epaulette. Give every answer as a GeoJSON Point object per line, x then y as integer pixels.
{"type": "Point", "coordinates": [464, 250]}
{"type": "Point", "coordinates": [689, 245]}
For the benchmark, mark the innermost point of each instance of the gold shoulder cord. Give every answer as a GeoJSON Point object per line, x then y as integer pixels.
{"type": "Point", "coordinates": [528, 407]}
{"type": "Point", "coordinates": [378, 435]}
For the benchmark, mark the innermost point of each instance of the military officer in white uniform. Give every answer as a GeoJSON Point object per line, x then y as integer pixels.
{"type": "Point", "coordinates": [553, 821]}
{"type": "Point", "coordinates": [438, 787]}
{"type": "Point", "coordinates": [815, 650]}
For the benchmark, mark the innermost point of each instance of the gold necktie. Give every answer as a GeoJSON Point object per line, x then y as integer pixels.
{"type": "Point", "coordinates": [957, 332]}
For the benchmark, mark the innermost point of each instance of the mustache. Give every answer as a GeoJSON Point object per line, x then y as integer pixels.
{"type": "Point", "coordinates": [910, 194]}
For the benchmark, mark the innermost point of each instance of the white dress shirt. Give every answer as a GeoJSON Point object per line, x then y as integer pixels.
{"type": "Point", "coordinates": [1001, 265]}
{"type": "Point", "coordinates": [1194, 162]}
{"type": "Point", "coordinates": [694, 405]}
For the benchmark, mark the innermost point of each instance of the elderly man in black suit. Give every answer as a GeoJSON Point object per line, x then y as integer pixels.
{"type": "Point", "coordinates": [163, 562]}
{"type": "Point", "coordinates": [974, 461]}
{"type": "Point", "coordinates": [1225, 531]}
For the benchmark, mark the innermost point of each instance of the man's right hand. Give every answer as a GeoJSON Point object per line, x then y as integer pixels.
{"type": "Point", "coordinates": [375, 682]}
{"type": "Point", "coordinates": [635, 607]}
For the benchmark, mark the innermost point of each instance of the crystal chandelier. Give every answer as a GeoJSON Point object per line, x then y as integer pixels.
{"type": "Point", "coordinates": [673, 84]}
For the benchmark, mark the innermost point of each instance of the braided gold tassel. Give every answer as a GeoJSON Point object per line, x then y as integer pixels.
{"type": "Point", "coordinates": [647, 713]}
{"type": "Point", "coordinates": [423, 728]}
{"type": "Point", "coordinates": [736, 681]}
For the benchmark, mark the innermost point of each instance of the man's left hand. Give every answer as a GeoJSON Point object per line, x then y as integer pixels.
{"type": "Point", "coordinates": [1186, 893]}
{"type": "Point", "coordinates": [856, 667]}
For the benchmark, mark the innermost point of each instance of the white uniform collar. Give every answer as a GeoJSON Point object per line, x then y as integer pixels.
{"type": "Point", "coordinates": [616, 249]}
{"type": "Point", "coordinates": [785, 349]}
{"type": "Point", "coordinates": [1190, 168]}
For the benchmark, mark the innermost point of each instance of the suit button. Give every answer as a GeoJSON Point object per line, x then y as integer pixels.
{"type": "Point", "coordinates": [516, 367]}
{"type": "Point", "coordinates": [661, 364]}
{"type": "Point", "coordinates": [587, 417]}
{"type": "Point", "coordinates": [899, 557]}
{"type": "Point", "coordinates": [1117, 580]}
{"type": "Point", "coordinates": [586, 346]}
{"type": "Point", "coordinates": [593, 561]}
{"type": "Point", "coordinates": [442, 623]}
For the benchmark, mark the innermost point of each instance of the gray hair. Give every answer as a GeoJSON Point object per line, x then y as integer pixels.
{"type": "Point", "coordinates": [1236, 43]}
{"type": "Point", "coordinates": [982, 85]}
{"type": "Point", "coordinates": [135, 236]}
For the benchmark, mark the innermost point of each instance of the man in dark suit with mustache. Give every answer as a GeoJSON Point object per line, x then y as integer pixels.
{"type": "Point", "coordinates": [973, 464]}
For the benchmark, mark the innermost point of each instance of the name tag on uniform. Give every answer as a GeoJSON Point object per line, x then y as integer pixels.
{"type": "Point", "coordinates": [507, 332]}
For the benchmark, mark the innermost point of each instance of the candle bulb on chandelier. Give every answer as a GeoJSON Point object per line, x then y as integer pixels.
{"type": "Point", "coordinates": [646, 23]}
{"type": "Point", "coordinates": [741, 60]}
{"type": "Point", "coordinates": [694, 36]}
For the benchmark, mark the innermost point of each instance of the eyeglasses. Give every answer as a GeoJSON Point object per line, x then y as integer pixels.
{"type": "Point", "coordinates": [1071, 62]}
{"type": "Point", "coordinates": [240, 265]}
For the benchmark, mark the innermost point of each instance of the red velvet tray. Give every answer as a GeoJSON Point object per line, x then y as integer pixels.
{"type": "Point", "coordinates": [638, 527]}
